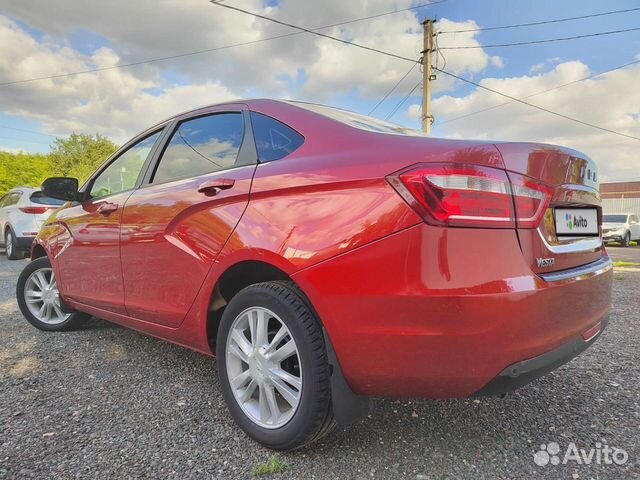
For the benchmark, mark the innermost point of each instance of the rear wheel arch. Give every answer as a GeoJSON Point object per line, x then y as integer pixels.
{"type": "Point", "coordinates": [235, 278]}
{"type": "Point", "coordinates": [348, 407]}
{"type": "Point", "coordinates": [38, 251]}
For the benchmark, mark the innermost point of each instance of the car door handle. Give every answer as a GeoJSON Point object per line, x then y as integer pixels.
{"type": "Point", "coordinates": [214, 186]}
{"type": "Point", "coordinates": [107, 209]}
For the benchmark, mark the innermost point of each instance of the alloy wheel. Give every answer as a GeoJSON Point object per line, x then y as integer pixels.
{"type": "Point", "coordinates": [42, 297]}
{"type": "Point", "coordinates": [264, 368]}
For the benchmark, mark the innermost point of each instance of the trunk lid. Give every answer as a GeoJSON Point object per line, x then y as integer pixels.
{"type": "Point", "coordinates": [573, 177]}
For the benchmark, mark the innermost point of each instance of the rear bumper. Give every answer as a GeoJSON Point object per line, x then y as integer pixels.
{"type": "Point", "coordinates": [433, 312]}
{"type": "Point", "coordinates": [526, 371]}
{"type": "Point", "coordinates": [24, 243]}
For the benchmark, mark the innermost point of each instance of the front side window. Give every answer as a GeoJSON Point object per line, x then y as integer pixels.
{"type": "Point", "coordinates": [122, 174]}
{"type": "Point", "coordinates": [274, 139]}
{"type": "Point", "coordinates": [201, 145]}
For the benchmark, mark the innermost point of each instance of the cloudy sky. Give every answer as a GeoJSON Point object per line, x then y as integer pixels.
{"type": "Point", "coordinates": [40, 38]}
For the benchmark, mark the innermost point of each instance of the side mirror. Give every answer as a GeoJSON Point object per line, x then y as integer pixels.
{"type": "Point", "coordinates": [61, 188]}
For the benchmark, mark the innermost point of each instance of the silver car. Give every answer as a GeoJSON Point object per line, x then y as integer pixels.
{"type": "Point", "coordinates": [23, 210]}
{"type": "Point", "coordinates": [620, 227]}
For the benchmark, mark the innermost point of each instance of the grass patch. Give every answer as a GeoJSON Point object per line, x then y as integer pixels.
{"type": "Point", "coordinates": [618, 277]}
{"type": "Point", "coordinates": [273, 465]}
{"type": "Point", "coordinates": [621, 263]}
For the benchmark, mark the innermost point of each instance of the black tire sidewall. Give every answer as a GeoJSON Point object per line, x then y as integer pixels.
{"type": "Point", "coordinates": [37, 264]}
{"type": "Point", "coordinates": [294, 432]}
{"type": "Point", "coordinates": [9, 237]}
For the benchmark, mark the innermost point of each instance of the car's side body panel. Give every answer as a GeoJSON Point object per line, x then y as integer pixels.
{"type": "Point", "coordinates": [410, 308]}
{"type": "Point", "coordinates": [173, 232]}
{"type": "Point", "coordinates": [88, 253]}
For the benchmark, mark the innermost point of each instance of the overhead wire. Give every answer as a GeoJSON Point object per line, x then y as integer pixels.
{"type": "Point", "coordinates": [589, 77]}
{"type": "Point", "coordinates": [397, 84]}
{"type": "Point", "coordinates": [537, 42]}
{"type": "Point", "coordinates": [543, 22]}
{"type": "Point", "coordinates": [538, 107]}
{"type": "Point", "coordinates": [212, 49]}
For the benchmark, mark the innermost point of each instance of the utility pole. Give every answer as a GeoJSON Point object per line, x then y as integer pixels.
{"type": "Point", "coordinates": [427, 76]}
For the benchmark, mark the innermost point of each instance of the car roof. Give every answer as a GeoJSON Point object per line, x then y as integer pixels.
{"type": "Point", "coordinates": [23, 190]}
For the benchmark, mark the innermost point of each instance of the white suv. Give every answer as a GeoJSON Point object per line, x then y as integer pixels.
{"type": "Point", "coordinates": [620, 227]}
{"type": "Point", "coordinates": [23, 210]}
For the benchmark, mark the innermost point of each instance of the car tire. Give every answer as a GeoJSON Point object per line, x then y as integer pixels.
{"type": "Point", "coordinates": [10, 247]}
{"type": "Point", "coordinates": [279, 417]}
{"type": "Point", "coordinates": [627, 240]}
{"type": "Point", "coordinates": [39, 300]}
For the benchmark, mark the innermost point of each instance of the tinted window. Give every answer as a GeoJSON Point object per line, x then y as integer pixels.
{"type": "Point", "coordinates": [202, 145]}
{"type": "Point", "coordinates": [42, 199]}
{"type": "Point", "coordinates": [123, 172]}
{"type": "Point", "coordinates": [3, 200]}
{"type": "Point", "coordinates": [274, 139]}
{"type": "Point", "coordinates": [10, 199]}
{"type": "Point", "coordinates": [615, 219]}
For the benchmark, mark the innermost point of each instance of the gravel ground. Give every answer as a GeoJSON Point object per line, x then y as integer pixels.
{"type": "Point", "coordinates": [107, 402]}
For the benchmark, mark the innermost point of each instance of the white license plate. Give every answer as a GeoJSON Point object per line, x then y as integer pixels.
{"type": "Point", "coordinates": [576, 221]}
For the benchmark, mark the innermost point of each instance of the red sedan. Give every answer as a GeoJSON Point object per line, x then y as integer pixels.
{"type": "Point", "coordinates": [328, 257]}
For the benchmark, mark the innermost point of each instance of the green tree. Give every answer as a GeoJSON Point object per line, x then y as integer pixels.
{"type": "Point", "coordinates": [23, 169]}
{"type": "Point", "coordinates": [79, 155]}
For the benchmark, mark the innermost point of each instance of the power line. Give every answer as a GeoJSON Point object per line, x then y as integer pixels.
{"type": "Point", "coordinates": [28, 131]}
{"type": "Point", "coordinates": [213, 49]}
{"type": "Point", "coordinates": [538, 93]}
{"type": "Point", "coordinates": [544, 22]}
{"type": "Point", "coordinates": [397, 107]}
{"type": "Point", "coordinates": [314, 32]}
{"type": "Point", "coordinates": [24, 140]}
{"type": "Point", "coordinates": [393, 88]}
{"type": "Point", "coordinates": [566, 117]}
{"type": "Point", "coordinates": [533, 42]}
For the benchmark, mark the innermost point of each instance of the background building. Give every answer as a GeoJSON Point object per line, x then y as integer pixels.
{"type": "Point", "coordinates": [620, 197]}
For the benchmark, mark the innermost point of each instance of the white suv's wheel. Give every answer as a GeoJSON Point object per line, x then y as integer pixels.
{"type": "Point", "coordinates": [273, 366]}
{"type": "Point", "coordinates": [39, 298]}
{"type": "Point", "coordinates": [10, 246]}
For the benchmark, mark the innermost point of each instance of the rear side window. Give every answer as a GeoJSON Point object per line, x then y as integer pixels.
{"type": "Point", "coordinates": [42, 199]}
{"type": "Point", "coordinates": [10, 199]}
{"type": "Point", "coordinates": [274, 139]}
{"type": "Point", "coordinates": [201, 145]}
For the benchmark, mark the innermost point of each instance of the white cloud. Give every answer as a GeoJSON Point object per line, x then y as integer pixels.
{"type": "Point", "coordinates": [538, 67]}
{"type": "Point", "coordinates": [497, 61]}
{"type": "Point", "coordinates": [120, 102]}
{"type": "Point", "coordinates": [11, 150]}
{"type": "Point", "coordinates": [611, 101]}
{"type": "Point", "coordinates": [414, 112]}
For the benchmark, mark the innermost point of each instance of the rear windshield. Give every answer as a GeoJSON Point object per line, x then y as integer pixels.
{"type": "Point", "coordinates": [358, 121]}
{"type": "Point", "coordinates": [42, 199]}
{"type": "Point", "coordinates": [615, 219]}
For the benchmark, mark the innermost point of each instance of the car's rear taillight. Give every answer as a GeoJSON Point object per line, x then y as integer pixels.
{"type": "Point", "coordinates": [34, 210]}
{"type": "Point", "coordinates": [531, 200]}
{"type": "Point", "coordinates": [471, 196]}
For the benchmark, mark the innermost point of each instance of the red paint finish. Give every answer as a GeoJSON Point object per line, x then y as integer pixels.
{"type": "Point", "coordinates": [173, 228]}
{"type": "Point", "coordinates": [413, 307]}
{"type": "Point", "coordinates": [88, 252]}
